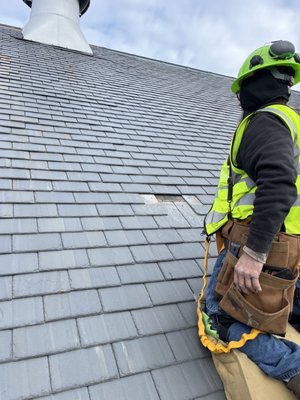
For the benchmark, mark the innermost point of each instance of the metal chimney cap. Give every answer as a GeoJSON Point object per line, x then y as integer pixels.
{"type": "Point", "coordinates": [84, 5]}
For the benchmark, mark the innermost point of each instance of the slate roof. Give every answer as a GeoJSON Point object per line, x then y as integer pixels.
{"type": "Point", "coordinates": [107, 166]}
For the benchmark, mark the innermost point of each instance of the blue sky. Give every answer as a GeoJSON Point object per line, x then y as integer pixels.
{"type": "Point", "coordinates": [212, 35]}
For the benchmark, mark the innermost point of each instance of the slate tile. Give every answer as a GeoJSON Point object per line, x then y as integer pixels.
{"type": "Point", "coordinates": [190, 235]}
{"type": "Point", "coordinates": [6, 210]}
{"type": "Point", "coordinates": [37, 382]}
{"type": "Point", "coordinates": [109, 256]}
{"type": "Point", "coordinates": [104, 187]}
{"type": "Point", "coordinates": [35, 210]}
{"type": "Point", "coordinates": [189, 312]}
{"type": "Point", "coordinates": [6, 344]}
{"type": "Point", "coordinates": [8, 196]}
{"type": "Point", "coordinates": [92, 198]}
{"type": "Point", "coordinates": [126, 198]}
{"type": "Point", "coordinates": [151, 253]}
{"type": "Point", "coordinates": [186, 345]}
{"type": "Point", "coordinates": [101, 223]}
{"type": "Point", "coordinates": [58, 224]}
{"type": "Point", "coordinates": [21, 312]}
{"type": "Point", "coordinates": [114, 210]}
{"type": "Point", "coordinates": [18, 263]}
{"type": "Point", "coordinates": [140, 273]}
{"type": "Point", "coordinates": [187, 380]}
{"type": "Point", "coordinates": [140, 355]}
{"type": "Point", "coordinates": [186, 250]}
{"type": "Point", "coordinates": [18, 225]}
{"type": "Point", "coordinates": [54, 197]}
{"type": "Point", "coordinates": [69, 186]}
{"type": "Point", "coordinates": [162, 236]}
{"type": "Point", "coordinates": [71, 304]}
{"type": "Point", "coordinates": [94, 278]}
{"type": "Point", "coordinates": [31, 185]}
{"type": "Point", "coordinates": [15, 173]}
{"type": "Point", "coordinates": [63, 259]}
{"type": "Point", "coordinates": [158, 319]}
{"type": "Point", "coordinates": [96, 364]}
{"type": "Point", "coordinates": [37, 242]}
{"type": "Point", "coordinates": [169, 292]}
{"type": "Point", "coordinates": [83, 239]}
{"type": "Point", "coordinates": [106, 328]}
{"type": "Point", "coordinates": [124, 298]}
{"type": "Point", "coordinates": [125, 238]}
{"type": "Point", "coordinates": [135, 387]}
{"type": "Point", "coordinates": [77, 394]}
{"type": "Point", "coordinates": [45, 339]}
{"type": "Point", "coordinates": [40, 283]}
{"type": "Point", "coordinates": [77, 210]}
{"type": "Point", "coordinates": [180, 269]}
{"type": "Point", "coordinates": [5, 244]}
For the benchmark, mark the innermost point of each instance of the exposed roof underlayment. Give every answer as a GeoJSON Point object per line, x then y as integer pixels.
{"type": "Point", "coordinates": [107, 167]}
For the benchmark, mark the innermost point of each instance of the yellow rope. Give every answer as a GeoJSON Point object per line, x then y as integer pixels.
{"type": "Point", "coordinates": [207, 341]}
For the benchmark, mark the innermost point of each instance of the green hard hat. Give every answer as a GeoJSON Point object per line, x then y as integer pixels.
{"type": "Point", "coordinates": [276, 54]}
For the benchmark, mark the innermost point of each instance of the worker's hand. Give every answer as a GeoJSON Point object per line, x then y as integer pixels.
{"type": "Point", "coordinates": [246, 274]}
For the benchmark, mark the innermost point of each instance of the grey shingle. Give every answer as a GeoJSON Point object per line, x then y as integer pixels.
{"type": "Point", "coordinates": [5, 244]}
{"type": "Point", "coordinates": [21, 312]}
{"type": "Point", "coordinates": [125, 238]}
{"type": "Point", "coordinates": [169, 292]}
{"type": "Point", "coordinates": [58, 224]}
{"type": "Point", "coordinates": [125, 298]}
{"type": "Point", "coordinates": [40, 283]}
{"type": "Point", "coordinates": [83, 239]}
{"type": "Point", "coordinates": [37, 382]}
{"type": "Point", "coordinates": [140, 355]}
{"type": "Point", "coordinates": [35, 210]}
{"type": "Point", "coordinates": [7, 196]}
{"type": "Point", "coordinates": [114, 210]}
{"type": "Point", "coordinates": [186, 250]}
{"type": "Point", "coordinates": [71, 186]}
{"type": "Point", "coordinates": [54, 197]}
{"type": "Point", "coordinates": [110, 256]}
{"type": "Point", "coordinates": [158, 319]}
{"type": "Point", "coordinates": [186, 381]}
{"type": "Point", "coordinates": [88, 278]}
{"type": "Point", "coordinates": [6, 210]}
{"type": "Point", "coordinates": [92, 198]}
{"type": "Point", "coordinates": [151, 253]}
{"type": "Point", "coordinates": [71, 304]}
{"type": "Point", "coordinates": [186, 345]}
{"type": "Point", "coordinates": [64, 259]}
{"type": "Point", "coordinates": [135, 387]}
{"type": "Point", "coordinates": [106, 328]}
{"type": "Point", "coordinates": [162, 236]}
{"type": "Point", "coordinates": [79, 394]}
{"type": "Point", "coordinates": [143, 222]}
{"type": "Point", "coordinates": [180, 269]}
{"type": "Point", "coordinates": [37, 242]}
{"type": "Point", "coordinates": [16, 225]}
{"type": "Point", "coordinates": [6, 342]}
{"type": "Point", "coordinates": [101, 223]}
{"type": "Point", "coordinates": [189, 312]}
{"type": "Point", "coordinates": [139, 273]}
{"type": "Point", "coordinates": [18, 263]}
{"type": "Point", "coordinates": [96, 364]}
{"type": "Point", "coordinates": [45, 339]}
{"type": "Point", "coordinates": [77, 210]}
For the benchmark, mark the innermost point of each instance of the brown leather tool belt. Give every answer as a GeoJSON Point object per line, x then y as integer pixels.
{"type": "Point", "coordinates": [269, 309]}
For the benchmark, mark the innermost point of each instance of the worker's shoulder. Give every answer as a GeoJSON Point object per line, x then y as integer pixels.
{"type": "Point", "coordinates": [266, 120]}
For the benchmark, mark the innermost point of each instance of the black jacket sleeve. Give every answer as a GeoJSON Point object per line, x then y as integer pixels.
{"type": "Point", "coordinates": [266, 153]}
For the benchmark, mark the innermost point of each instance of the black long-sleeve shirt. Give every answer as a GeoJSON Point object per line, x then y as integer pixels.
{"type": "Point", "coordinates": [266, 154]}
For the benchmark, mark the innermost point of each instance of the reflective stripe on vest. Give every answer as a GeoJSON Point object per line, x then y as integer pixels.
{"type": "Point", "coordinates": [243, 186]}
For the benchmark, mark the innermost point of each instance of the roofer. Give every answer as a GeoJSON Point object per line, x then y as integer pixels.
{"type": "Point", "coordinates": [256, 217]}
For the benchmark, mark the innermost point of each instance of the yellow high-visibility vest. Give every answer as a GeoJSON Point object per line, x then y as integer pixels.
{"type": "Point", "coordinates": [243, 186]}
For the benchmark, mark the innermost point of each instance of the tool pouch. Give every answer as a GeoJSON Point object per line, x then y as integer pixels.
{"type": "Point", "coordinates": [269, 309]}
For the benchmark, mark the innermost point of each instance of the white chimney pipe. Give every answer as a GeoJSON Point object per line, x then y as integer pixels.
{"type": "Point", "coordinates": [56, 22]}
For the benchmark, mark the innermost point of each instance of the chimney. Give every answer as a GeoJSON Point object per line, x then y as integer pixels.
{"type": "Point", "coordinates": [56, 22]}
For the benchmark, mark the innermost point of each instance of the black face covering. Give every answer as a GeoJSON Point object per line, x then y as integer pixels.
{"type": "Point", "coordinates": [261, 89]}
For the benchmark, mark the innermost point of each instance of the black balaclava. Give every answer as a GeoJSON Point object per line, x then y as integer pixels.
{"type": "Point", "coordinates": [262, 88]}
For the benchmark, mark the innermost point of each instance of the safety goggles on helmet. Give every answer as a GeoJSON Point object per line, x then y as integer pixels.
{"type": "Point", "coordinates": [280, 53]}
